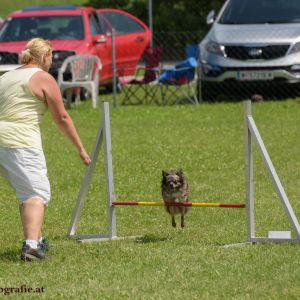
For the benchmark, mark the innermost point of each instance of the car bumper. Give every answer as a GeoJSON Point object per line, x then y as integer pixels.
{"type": "Point", "coordinates": [214, 73]}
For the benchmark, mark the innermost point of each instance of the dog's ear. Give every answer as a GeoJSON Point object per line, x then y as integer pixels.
{"type": "Point", "coordinates": [180, 172]}
{"type": "Point", "coordinates": [163, 173]}
{"type": "Point", "coordinates": [181, 176]}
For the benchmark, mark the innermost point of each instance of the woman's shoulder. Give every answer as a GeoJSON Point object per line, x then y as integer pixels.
{"type": "Point", "coordinates": [42, 78]}
{"type": "Point", "coordinates": [40, 73]}
{"type": "Point", "coordinates": [20, 73]}
{"type": "Point", "coordinates": [28, 71]}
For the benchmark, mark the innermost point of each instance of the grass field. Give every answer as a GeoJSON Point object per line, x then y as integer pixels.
{"type": "Point", "coordinates": [164, 263]}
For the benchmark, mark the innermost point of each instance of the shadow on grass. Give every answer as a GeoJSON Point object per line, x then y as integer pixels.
{"type": "Point", "coordinates": [10, 256]}
{"type": "Point", "coordinates": [150, 238]}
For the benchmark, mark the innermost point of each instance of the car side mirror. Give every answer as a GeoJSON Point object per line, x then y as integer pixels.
{"type": "Point", "coordinates": [99, 38]}
{"type": "Point", "coordinates": [210, 17]}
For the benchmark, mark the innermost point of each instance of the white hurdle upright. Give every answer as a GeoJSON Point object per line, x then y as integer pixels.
{"type": "Point", "coordinates": [252, 135]}
{"type": "Point", "coordinates": [103, 134]}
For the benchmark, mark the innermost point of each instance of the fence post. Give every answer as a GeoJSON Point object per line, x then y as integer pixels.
{"type": "Point", "coordinates": [114, 69]}
{"type": "Point", "coordinates": [150, 21]}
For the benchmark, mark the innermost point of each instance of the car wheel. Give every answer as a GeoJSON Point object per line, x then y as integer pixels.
{"type": "Point", "coordinates": [297, 90]}
{"type": "Point", "coordinates": [207, 91]}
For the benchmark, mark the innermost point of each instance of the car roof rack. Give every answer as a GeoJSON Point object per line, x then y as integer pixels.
{"type": "Point", "coordinates": [50, 7]}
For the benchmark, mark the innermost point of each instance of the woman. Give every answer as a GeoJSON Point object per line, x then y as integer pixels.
{"type": "Point", "coordinates": [25, 95]}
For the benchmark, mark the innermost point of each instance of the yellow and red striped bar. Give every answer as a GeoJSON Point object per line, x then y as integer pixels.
{"type": "Point", "coordinates": [193, 204]}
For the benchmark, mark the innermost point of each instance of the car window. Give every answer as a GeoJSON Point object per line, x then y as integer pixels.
{"type": "Point", "coordinates": [123, 24]}
{"type": "Point", "coordinates": [47, 27]}
{"type": "Point", "coordinates": [261, 11]}
{"type": "Point", "coordinates": [104, 23]}
{"type": "Point", "coordinates": [95, 27]}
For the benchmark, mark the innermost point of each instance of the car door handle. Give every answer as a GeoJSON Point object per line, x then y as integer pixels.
{"type": "Point", "coordinates": [139, 39]}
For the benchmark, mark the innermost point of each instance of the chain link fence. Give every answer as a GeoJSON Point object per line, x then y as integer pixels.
{"type": "Point", "coordinates": [262, 71]}
{"type": "Point", "coordinates": [259, 71]}
{"type": "Point", "coordinates": [174, 43]}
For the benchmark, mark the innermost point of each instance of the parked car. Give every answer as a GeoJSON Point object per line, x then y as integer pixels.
{"type": "Point", "coordinates": [76, 30]}
{"type": "Point", "coordinates": [252, 44]}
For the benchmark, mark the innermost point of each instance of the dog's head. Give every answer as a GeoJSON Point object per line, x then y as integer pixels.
{"type": "Point", "coordinates": [172, 179]}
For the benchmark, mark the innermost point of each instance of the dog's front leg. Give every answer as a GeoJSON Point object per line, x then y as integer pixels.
{"type": "Point", "coordinates": [173, 221]}
{"type": "Point", "coordinates": [182, 221]}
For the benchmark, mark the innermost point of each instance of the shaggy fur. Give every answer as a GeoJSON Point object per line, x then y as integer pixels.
{"type": "Point", "coordinates": [174, 188]}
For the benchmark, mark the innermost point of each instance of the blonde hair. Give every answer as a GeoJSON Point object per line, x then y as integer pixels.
{"type": "Point", "coordinates": [34, 50]}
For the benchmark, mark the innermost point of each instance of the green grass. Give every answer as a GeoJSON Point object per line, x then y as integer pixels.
{"type": "Point", "coordinates": [8, 6]}
{"type": "Point", "coordinates": [165, 263]}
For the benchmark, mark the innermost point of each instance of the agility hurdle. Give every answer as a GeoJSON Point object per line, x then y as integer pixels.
{"type": "Point", "coordinates": [251, 136]}
{"type": "Point", "coordinates": [189, 204]}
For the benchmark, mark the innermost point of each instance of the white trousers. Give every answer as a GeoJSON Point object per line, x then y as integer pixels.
{"type": "Point", "coordinates": [26, 171]}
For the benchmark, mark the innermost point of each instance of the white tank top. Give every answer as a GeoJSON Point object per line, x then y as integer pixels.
{"type": "Point", "coordinates": [20, 111]}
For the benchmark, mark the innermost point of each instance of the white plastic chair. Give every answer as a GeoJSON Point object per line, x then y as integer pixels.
{"type": "Point", "coordinates": [84, 70]}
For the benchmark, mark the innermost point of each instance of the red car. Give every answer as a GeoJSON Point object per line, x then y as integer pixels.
{"type": "Point", "coordinates": [77, 30]}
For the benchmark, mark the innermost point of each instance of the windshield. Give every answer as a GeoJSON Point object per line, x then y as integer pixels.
{"type": "Point", "coordinates": [261, 12]}
{"type": "Point", "coordinates": [48, 27]}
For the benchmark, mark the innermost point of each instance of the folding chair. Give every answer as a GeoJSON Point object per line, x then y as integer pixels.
{"type": "Point", "coordinates": [179, 83]}
{"type": "Point", "coordinates": [84, 71]}
{"type": "Point", "coordinates": [192, 50]}
{"type": "Point", "coordinates": [142, 88]}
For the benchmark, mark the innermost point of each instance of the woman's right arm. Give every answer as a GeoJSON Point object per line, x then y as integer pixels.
{"type": "Point", "coordinates": [44, 86]}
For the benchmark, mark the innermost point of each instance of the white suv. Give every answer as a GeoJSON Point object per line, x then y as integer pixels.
{"type": "Point", "coordinates": [253, 44]}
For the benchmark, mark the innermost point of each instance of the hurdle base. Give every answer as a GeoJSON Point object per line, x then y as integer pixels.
{"type": "Point", "coordinates": [273, 240]}
{"type": "Point", "coordinates": [89, 238]}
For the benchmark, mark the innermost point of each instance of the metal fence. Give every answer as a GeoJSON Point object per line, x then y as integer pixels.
{"type": "Point", "coordinates": [259, 71]}
{"type": "Point", "coordinates": [269, 78]}
{"type": "Point", "coordinates": [174, 43]}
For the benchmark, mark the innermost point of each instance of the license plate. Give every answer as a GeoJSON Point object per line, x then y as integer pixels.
{"type": "Point", "coordinates": [254, 75]}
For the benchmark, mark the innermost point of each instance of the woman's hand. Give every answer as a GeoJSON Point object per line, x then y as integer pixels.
{"type": "Point", "coordinates": [85, 157]}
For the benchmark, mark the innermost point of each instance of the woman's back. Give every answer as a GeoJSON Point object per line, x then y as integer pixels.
{"type": "Point", "coordinates": [20, 110]}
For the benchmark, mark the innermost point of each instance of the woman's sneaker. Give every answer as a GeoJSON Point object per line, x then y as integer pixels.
{"type": "Point", "coordinates": [45, 246]}
{"type": "Point", "coordinates": [30, 254]}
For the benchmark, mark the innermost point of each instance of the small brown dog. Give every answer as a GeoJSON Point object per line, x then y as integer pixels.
{"type": "Point", "coordinates": [174, 189]}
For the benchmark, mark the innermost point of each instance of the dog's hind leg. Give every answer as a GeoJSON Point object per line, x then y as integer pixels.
{"type": "Point", "coordinates": [173, 221]}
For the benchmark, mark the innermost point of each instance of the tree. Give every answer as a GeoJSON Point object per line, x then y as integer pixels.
{"type": "Point", "coordinates": [168, 15]}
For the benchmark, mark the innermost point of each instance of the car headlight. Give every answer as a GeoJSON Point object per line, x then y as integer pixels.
{"type": "Point", "coordinates": [215, 48]}
{"type": "Point", "coordinates": [295, 48]}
